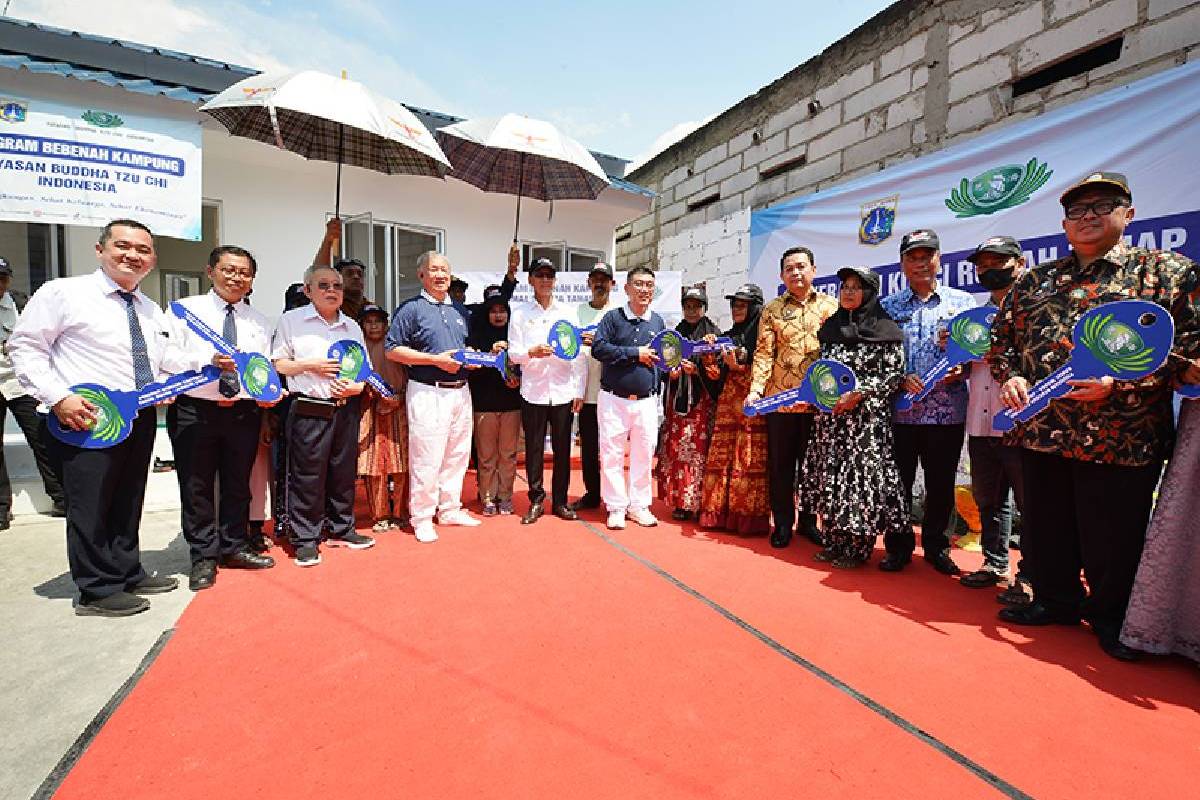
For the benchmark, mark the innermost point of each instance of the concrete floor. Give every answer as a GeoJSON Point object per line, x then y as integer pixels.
{"type": "Point", "coordinates": [58, 671]}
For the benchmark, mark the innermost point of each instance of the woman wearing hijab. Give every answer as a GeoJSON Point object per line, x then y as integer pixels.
{"type": "Point", "coordinates": [688, 402]}
{"type": "Point", "coordinates": [496, 404]}
{"type": "Point", "coordinates": [850, 475]}
{"type": "Point", "coordinates": [735, 488]}
{"type": "Point", "coordinates": [383, 431]}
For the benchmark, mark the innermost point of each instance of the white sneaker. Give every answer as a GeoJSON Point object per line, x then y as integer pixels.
{"type": "Point", "coordinates": [642, 517]}
{"type": "Point", "coordinates": [459, 516]}
{"type": "Point", "coordinates": [426, 533]}
{"type": "Point", "coordinates": [616, 520]}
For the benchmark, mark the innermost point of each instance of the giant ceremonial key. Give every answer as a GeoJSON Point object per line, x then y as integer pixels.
{"type": "Point", "coordinates": [566, 340]}
{"type": "Point", "coordinates": [1127, 339]}
{"type": "Point", "coordinates": [115, 411]}
{"type": "Point", "coordinates": [255, 371]}
{"type": "Point", "coordinates": [970, 338]}
{"type": "Point", "coordinates": [355, 366]}
{"type": "Point", "coordinates": [672, 347]}
{"type": "Point", "coordinates": [825, 381]}
{"type": "Point", "coordinates": [498, 361]}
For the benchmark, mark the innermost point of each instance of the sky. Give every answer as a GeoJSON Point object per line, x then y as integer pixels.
{"type": "Point", "coordinates": [624, 77]}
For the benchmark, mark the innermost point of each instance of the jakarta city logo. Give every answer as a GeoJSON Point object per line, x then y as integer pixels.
{"type": "Point", "coordinates": [877, 219]}
{"type": "Point", "coordinates": [13, 110]}
{"type": "Point", "coordinates": [102, 119]}
{"type": "Point", "coordinates": [998, 188]}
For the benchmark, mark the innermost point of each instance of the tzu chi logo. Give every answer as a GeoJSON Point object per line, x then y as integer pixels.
{"type": "Point", "coordinates": [998, 188]}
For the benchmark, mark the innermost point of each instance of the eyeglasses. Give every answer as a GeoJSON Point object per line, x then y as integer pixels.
{"type": "Point", "coordinates": [233, 273]}
{"type": "Point", "coordinates": [1101, 208]}
{"type": "Point", "coordinates": [326, 286]}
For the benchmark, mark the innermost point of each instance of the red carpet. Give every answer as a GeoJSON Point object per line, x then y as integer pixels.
{"type": "Point", "coordinates": [543, 662]}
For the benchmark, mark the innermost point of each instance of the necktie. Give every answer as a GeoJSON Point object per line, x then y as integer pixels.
{"type": "Point", "coordinates": [142, 372]}
{"type": "Point", "coordinates": [228, 385]}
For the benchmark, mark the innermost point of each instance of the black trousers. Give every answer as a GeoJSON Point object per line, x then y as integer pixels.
{"type": "Point", "coordinates": [534, 420]}
{"type": "Point", "coordinates": [787, 442]}
{"type": "Point", "coordinates": [33, 425]}
{"type": "Point", "coordinates": [104, 491]}
{"type": "Point", "coordinates": [322, 459]}
{"type": "Point", "coordinates": [589, 450]}
{"type": "Point", "coordinates": [279, 455]}
{"type": "Point", "coordinates": [1080, 514]}
{"type": "Point", "coordinates": [210, 443]}
{"type": "Point", "coordinates": [937, 448]}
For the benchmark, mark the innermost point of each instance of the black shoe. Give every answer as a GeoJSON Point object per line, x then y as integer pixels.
{"type": "Point", "coordinates": [257, 543]}
{"type": "Point", "coordinates": [808, 529]}
{"type": "Point", "coordinates": [980, 579]}
{"type": "Point", "coordinates": [155, 584]}
{"type": "Point", "coordinates": [943, 563]}
{"type": "Point", "coordinates": [1037, 614]}
{"type": "Point", "coordinates": [893, 563]}
{"type": "Point", "coordinates": [1112, 645]}
{"type": "Point", "coordinates": [353, 540]}
{"type": "Point", "coordinates": [58, 509]}
{"type": "Point", "coordinates": [1019, 594]}
{"type": "Point", "coordinates": [588, 501]}
{"type": "Point", "coordinates": [307, 555]}
{"type": "Point", "coordinates": [533, 514]}
{"type": "Point", "coordinates": [4, 524]}
{"type": "Point", "coordinates": [247, 559]}
{"type": "Point", "coordinates": [780, 538]}
{"type": "Point", "coordinates": [565, 512]}
{"type": "Point", "coordinates": [121, 604]}
{"type": "Point", "coordinates": [203, 574]}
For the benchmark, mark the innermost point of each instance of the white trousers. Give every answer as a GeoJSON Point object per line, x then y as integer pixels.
{"type": "Point", "coordinates": [620, 419]}
{"type": "Point", "coordinates": [439, 447]}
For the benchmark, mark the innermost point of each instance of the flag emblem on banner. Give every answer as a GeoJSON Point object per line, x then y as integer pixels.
{"type": "Point", "coordinates": [878, 219]}
{"type": "Point", "coordinates": [998, 188]}
{"type": "Point", "coordinates": [12, 111]}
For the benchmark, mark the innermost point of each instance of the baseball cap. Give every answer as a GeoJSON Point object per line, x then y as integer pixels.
{"type": "Point", "coordinates": [603, 268]}
{"type": "Point", "coordinates": [1002, 245]}
{"type": "Point", "coordinates": [922, 237]}
{"type": "Point", "coordinates": [456, 282]}
{"type": "Point", "coordinates": [371, 308]}
{"type": "Point", "coordinates": [865, 274]}
{"type": "Point", "coordinates": [694, 293]}
{"type": "Point", "coordinates": [1097, 179]}
{"type": "Point", "coordinates": [5, 269]}
{"type": "Point", "coordinates": [342, 263]}
{"type": "Point", "coordinates": [541, 263]}
{"type": "Point", "coordinates": [493, 296]}
{"type": "Point", "coordinates": [748, 292]}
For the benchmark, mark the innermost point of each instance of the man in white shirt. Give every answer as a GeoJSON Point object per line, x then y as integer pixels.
{"type": "Point", "coordinates": [100, 328]}
{"type": "Point", "coordinates": [551, 391]}
{"type": "Point", "coordinates": [214, 429]}
{"type": "Point", "coordinates": [322, 424]}
{"type": "Point", "coordinates": [600, 281]}
{"type": "Point", "coordinates": [23, 406]}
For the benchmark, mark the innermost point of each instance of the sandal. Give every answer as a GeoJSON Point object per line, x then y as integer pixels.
{"type": "Point", "coordinates": [383, 526]}
{"type": "Point", "coordinates": [981, 579]}
{"type": "Point", "coordinates": [1018, 595]}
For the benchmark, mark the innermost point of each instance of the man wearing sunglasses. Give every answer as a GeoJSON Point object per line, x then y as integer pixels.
{"type": "Point", "coordinates": [1092, 459]}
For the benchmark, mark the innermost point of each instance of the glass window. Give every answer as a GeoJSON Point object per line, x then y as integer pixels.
{"type": "Point", "coordinates": [35, 252]}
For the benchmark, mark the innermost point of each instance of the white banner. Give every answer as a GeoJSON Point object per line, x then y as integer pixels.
{"type": "Point", "coordinates": [571, 288]}
{"type": "Point", "coordinates": [1006, 183]}
{"type": "Point", "coordinates": [84, 166]}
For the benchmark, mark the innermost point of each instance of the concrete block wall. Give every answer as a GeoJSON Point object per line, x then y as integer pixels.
{"type": "Point", "coordinates": [917, 77]}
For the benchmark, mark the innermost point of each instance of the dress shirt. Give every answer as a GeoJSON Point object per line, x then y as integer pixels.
{"type": "Point", "coordinates": [76, 330]}
{"type": "Point", "coordinates": [619, 337]}
{"type": "Point", "coordinates": [428, 326]}
{"type": "Point", "coordinates": [921, 321]}
{"type": "Point", "coordinates": [548, 381]}
{"type": "Point", "coordinates": [589, 316]}
{"type": "Point", "coordinates": [253, 336]}
{"type": "Point", "coordinates": [787, 342]}
{"type": "Point", "coordinates": [10, 387]}
{"type": "Point", "coordinates": [304, 334]}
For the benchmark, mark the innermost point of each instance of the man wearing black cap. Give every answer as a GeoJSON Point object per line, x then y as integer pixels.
{"type": "Point", "coordinates": [24, 408]}
{"type": "Point", "coordinates": [458, 291]}
{"type": "Point", "coordinates": [1090, 460]}
{"type": "Point", "coordinates": [600, 281]}
{"type": "Point", "coordinates": [931, 432]}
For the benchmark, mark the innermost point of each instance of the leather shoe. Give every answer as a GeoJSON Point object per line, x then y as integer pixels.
{"type": "Point", "coordinates": [1113, 647]}
{"type": "Point", "coordinates": [943, 563]}
{"type": "Point", "coordinates": [780, 538]}
{"type": "Point", "coordinates": [565, 512]}
{"type": "Point", "coordinates": [203, 574]}
{"type": "Point", "coordinates": [533, 514]}
{"type": "Point", "coordinates": [586, 502]}
{"type": "Point", "coordinates": [1037, 614]}
{"type": "Point", "coordinates": [247, 559]}
{"type": "Point", "coordinates": [894, 563]}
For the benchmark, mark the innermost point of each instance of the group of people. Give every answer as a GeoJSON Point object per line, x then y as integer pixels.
{"type": "Point", "coordinates": [1083, 472]}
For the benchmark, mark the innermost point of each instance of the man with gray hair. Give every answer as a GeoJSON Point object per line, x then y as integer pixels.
{"type": "Point", "coordinates": [425, 331]}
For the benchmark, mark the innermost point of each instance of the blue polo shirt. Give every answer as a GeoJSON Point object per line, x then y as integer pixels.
{"type": "Point", "coordinates": [424, 324]}
{"type": "Point", "coordinates": [618, 337]}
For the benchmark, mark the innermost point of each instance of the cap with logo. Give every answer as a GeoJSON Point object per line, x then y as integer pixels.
{"type": "Point", "coordinates": [494, 296]}
{"type": "Point", "coordinates": [695, 293]}
{"type": "Point", "coordinates": [369, 309]}
{"type": "Point", "coordinates": [868, 276]}
{"type": "Point", "coordinates": [749, 292]}
{"type": "Point", "coordinates": [1001, 245]}
{"type": "Point", "coordinates": [1114, 179]}
{"type": "Point", "coordinates": [922, 237]}
{"type": "Point", "coordinates": [603, 268]}
{"type": "Point", "coordinates": [541, 263]}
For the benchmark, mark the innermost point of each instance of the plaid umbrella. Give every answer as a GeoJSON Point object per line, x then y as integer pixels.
{"type": "Point", "coordinates": [526, 157]}
{"type": "Point", "coordinates": [325, 118]}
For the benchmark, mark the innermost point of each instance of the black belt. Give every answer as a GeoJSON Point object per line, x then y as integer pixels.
{"type": "Point", "coordinates": [337, 401]}
{"type": "Point", "coordinates": [440, 384]}
{"type": "Point", "coordinates": [185, 400]}
{"type": "Point", "coordinates": [630, 396]}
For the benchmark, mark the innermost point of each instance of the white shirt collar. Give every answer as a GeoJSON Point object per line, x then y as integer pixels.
{"type": "Point", "coordinates": [109, 286]}
{"type": "Point", "coordinates": [632, 316]}
{"type": "Point", "coordinates": [446, 302]}
{"type": "Point", "coordinates": [219, 302]}
{"type": "Point", "coordinates": [310, 312]}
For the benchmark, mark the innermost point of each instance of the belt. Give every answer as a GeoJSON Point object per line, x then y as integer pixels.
{"type": "Point", "coordinates": [441, 384]}
{"type": "Point", "coordinates": [629, 396]}
{"type": "Point", "coordinates": [338, 402]}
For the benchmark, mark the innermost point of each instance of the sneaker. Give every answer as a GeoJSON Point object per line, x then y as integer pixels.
{"type": "Point", "coordinates": [505, 507]}
{"type": "Point", "coordinates": [121, 604]}
{"type": "Point", "coordinates": [154, 584]}
{"type": "Point", "coordinates": [307, 555]}
{"type": "Point", "coordinates": [616, 520]}
{"type": "Point", "coordinates": [458, 517]}
{"type": "Point", "coordinates": [642, 517]}
{"type": "Point", "coordinates": [353, 540]}
{"type": "Point", "coordinates": [489, 508]}
{"type": "Point", "coordinates": [426, 533]}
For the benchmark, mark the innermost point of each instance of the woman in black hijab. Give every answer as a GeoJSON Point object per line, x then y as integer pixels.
{"type": "Point", "coordinates": [850, 475]}
{"type": "Point", "coordinates": [496, 407]}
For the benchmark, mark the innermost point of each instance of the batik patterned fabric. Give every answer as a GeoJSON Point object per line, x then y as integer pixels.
{"type": "Point", "coordinates": [735, 472]}
{"type": "Point", "coordinates": [1031, 338]}
{"type": "Point", "coordinates": [680, 467]}
{"type": "Point", "coordinates": [787, 342]}
{"type": "Point", "coordinates": [921, 321]}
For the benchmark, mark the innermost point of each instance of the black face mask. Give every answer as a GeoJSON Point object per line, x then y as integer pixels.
{"type": "Point", "coordinates": [994, 279]}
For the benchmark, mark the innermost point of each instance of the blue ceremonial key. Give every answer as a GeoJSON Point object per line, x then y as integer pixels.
{"type": "Point", "coordinates": [115, 411]}
{"type": "Point", "coordinates": [1127, 339]}
{"type": "Point", "coordinates": [825, 381]}
{"type": "Point", "coordinates": [498, 361]}
{"type": "Point", "coordinates": [566, 340]}
{"type": "Point", "coordinates": [355, 366]}
{"type": "Point", "coordinates": [970, 338]}
{"type": "Point", "coordinates": [255, 371]}
{"type": "Point", "coordinates": [672, 348]}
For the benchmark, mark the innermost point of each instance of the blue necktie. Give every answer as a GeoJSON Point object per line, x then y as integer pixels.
{"type": "Point", "coordinates": [143, 374]}
{"type": "Point", "coordinates": [228, 385]}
